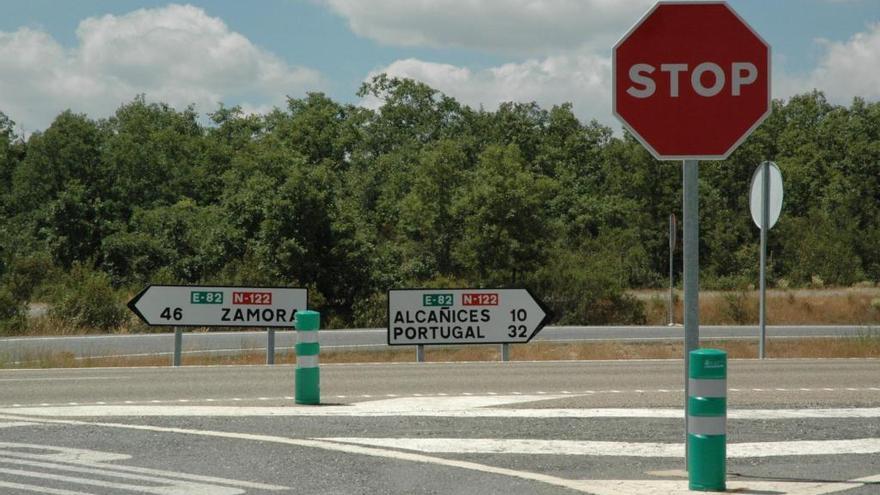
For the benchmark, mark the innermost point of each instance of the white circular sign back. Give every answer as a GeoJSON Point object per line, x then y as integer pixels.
{"type": "Point", "coordinates": [775, 199]}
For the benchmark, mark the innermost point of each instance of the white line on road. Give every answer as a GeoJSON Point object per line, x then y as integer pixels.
{"type": "Point", "coordinates": [594, 487]}
{"type": "Point", "coordinates": [471, 406]}
{"type": "Point", "coordinates": [11, 424]}
{"type": "Point", "coordinates": [156, 490]}
{"type": "Point", "coordinates": [39, 489]}
{"type": "Point", "coordinates": [60, 379]}
{"type": "Point", "coordinates": [95, 462]}
{"type": "Point", "coordinates": [615, 449]}
{"type": "Point", "coordinates": [165, 486]}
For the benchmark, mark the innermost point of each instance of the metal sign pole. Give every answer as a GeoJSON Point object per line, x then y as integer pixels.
{"type": "Point", "coordinates": [178, 344]}
{"type": "Point", "coordinates": [672, 233]}
{"type": "Point", "coordinates": [765, 224]}
{"type": "Point", "coordinates": [691, 278]}
{"type": "Point", "coordinates": [505, 352]}
{"type": "Point", "coordinates": [420, 353]}
{"type": "Point", "coordinates": [270, 345]}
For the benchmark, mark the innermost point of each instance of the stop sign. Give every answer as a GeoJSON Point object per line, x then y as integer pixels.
{"type": "Point", "coordinates": [691, 80]}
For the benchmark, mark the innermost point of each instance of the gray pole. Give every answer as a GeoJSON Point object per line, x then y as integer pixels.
{"type": "Point", "coordinates": [691, 278]}
{"type": "Point", "coordinates": [505, 352]}
{"type": "Point", "coordinates": [270, 345]}
{"type": "Point", "coordinates": [765, 221]}
{"type": "Point", "coordinates": [671, 274]}
{"type": "Point", "coordinates": [178, 345]}
{"type": "Point", "coordinates": [420, 353]}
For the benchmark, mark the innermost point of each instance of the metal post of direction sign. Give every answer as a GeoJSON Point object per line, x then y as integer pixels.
{"type": "Point", "coordinates": [691, 247]}
{"type": "Point", "coordinates": [505, 352]}
{"type": "Point", "coordinates": [420, 353]}
{"type": "Point", "coordinates": [178, 345]}
{"type": "Point", "coordinates": [270, 346]}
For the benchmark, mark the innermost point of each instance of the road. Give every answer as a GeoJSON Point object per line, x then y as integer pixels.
{"type": "Point", "coordinates": [614, 427]}
{"type": "Point", "coordinates": [26, 348]}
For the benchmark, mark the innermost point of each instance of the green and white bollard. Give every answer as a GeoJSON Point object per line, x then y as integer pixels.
{"type": "Point", "coordinates": [308, 380]}
{"type": "Point", "coordinates": [707, 422]}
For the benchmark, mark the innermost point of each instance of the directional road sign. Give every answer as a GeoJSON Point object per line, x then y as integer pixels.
{"type": "Point", "coordinates": [463, 316]}
{"type": "Point", "coordinates": [691, 80]}
{"type": "Point", "coordinates": [199, 306]}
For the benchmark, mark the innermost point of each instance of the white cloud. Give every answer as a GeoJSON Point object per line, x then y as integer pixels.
{"type": "Point", "coordinates": [845, 70]}
{"type": "Point", "coordinates": [523, 27]}
{"type": "Point", "coordinates": [175, 54]}
{"type": "Point", "coordinates": [851, 69]}
{"type": "Point", "coordinates": [582, 79]}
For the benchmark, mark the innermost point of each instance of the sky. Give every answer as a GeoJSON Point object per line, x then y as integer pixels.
{"type": "Point", "coordinates": [91, 56]}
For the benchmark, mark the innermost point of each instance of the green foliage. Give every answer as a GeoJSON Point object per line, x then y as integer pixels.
{"type": "Point", "coordinates": [584, 288]}
{"type": "Point", "coordinates": [371, 311]}
{"type": "Point", "coordinates": [86, 299]}
{"type": "Point", "coordinates": [506, 226]}
{"type": "Point", "coordinates": [26, 274]}
{"type": "Point", "coordinates": [421, 191]}
{"type": "Point", "coordinates": [13, 312]}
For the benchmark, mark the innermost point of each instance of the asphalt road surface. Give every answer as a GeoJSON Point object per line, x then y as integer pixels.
{"type": "Point", "coordinates": [615, 427]}
{"type": "Point", "coordinates": [28, 348]}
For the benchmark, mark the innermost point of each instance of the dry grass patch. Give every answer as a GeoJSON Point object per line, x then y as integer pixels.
{"type": "Point", "coordinates": [847, 306]}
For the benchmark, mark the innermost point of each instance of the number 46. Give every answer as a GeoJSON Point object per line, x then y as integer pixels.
{"type": "Point", "coordinates": [168, 314]}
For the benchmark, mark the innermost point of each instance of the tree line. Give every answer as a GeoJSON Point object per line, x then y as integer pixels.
{"type": "Point", "coordinates": [421, 192]}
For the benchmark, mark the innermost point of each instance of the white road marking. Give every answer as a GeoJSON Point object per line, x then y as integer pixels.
{"type": "Point", "coordinates": [470, 406]}
{"type": "Point", "coordinates": [11, 424]}
{"type": "Point", "coordinates": [163, 487]}
{"type": "Point", "coordinates": [59, 379]}
{"type": "Point", "coordinates": [613, 449]}
{"type": "Point", "coordinates": [185, 489]}
{"type": "Point", "coordinates": [91, 462]}
{"type": "Point", "coordinates": [39, 489]}
{"type": "Point", "coordinates": [594, 487]}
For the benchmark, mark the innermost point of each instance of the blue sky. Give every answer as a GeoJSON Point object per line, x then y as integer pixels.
{"type": "Point", "coordinates": [93, 55]}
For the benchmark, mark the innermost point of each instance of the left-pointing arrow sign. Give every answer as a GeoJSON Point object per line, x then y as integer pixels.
{"type": "Point", "coordinates": [463, 316]}
{"type": "Point", "coordinates": [218, 306]}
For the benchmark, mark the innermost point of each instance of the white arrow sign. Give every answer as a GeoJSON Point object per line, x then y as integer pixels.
{"type": "Point", "coordinates": [199, 306]}
{"type": "Point", "coordinates": [463, 316]}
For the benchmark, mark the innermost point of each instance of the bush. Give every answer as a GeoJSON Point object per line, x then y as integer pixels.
{"type": "Point", "coordinates": [86, 299]}
{"type": "Point", "coordinates": [13, 313]}
{"type": "Point", "coordinates": [584, 289]}
{"type": "Point", "coordinates": [371, 312]}
{"type": "Point", "coordinates": [739, 308]}
{"type": "Point", "coordinates": [27, 273]}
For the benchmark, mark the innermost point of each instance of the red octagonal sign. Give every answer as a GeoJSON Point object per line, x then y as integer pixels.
{"type": "Point", "coordinates": [691, 80]}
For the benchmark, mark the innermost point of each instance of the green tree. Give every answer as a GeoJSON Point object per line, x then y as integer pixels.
{"type": "Point", "coordinates": [428, 218]}
{"type": "Point", "coordinates": [506, 226]}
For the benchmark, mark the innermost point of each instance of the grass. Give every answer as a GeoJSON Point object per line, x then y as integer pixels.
{"type": "Point", "coordinates": [853, 306]}
{"type": "Point", "coordinates": [864, 345]}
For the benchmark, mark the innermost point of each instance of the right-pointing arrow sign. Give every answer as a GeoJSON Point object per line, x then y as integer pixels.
{"type": "Point", "coordinates": [463, 316]}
